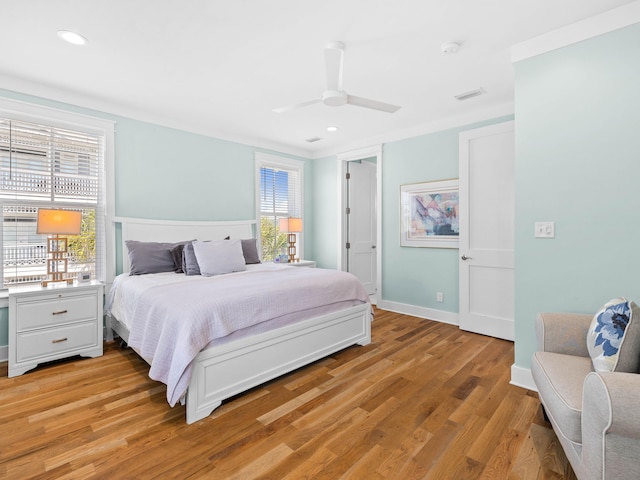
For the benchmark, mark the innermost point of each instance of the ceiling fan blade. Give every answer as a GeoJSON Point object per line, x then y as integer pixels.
{"type": "Point", "coordinates": [333, 59]}
{"type": "Point", "coordinates": [288, 108]}
{"type": "Point", "coordinates": [373, 104]}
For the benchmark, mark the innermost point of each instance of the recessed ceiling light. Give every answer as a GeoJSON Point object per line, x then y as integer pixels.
{"type": "Point", "coordinates": [72, 37]}
{"type": "Point", "coordinates": [332, 128]}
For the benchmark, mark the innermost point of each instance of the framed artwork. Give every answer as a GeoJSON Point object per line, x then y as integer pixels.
{"type": "Point", "coordinates": [429, 214]}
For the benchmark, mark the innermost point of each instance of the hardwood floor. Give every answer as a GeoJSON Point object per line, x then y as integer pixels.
{"type": "Point", "coordinates": [424, 401]}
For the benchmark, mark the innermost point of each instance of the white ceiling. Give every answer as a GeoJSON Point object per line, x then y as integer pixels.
{"type": "Point", "coordinates": [219, 67]}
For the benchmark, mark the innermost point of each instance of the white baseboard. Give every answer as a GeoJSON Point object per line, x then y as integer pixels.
{"type": "Point", "coordinates": [521, 377]}
{"type": "Point", "coordinates": [4, 353]}
{"type": "Point", "coordinates": [421, 312]}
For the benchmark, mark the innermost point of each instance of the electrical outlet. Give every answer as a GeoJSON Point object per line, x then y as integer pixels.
{"type": "Point", "coordinates": [545, 229]}
{"type": "Point", "coordinates": [440, 297]}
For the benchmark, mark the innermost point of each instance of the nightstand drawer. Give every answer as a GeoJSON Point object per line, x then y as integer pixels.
{"type": "Point", "coordinates": [56, 311]}
{"type": "Point", "coordinates": [53, 341]}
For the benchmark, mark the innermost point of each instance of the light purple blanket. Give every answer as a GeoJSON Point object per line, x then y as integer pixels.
{"type": "Point", "coordinates": [170, 322]}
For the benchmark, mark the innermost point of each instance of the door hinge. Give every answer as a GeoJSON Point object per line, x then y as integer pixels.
{"type": "Point", "coordinates": [348, 245]}
{"type": "Point", "coordinates": [348, 176]}
{"type": "Point", "coordinates": [347, 210]}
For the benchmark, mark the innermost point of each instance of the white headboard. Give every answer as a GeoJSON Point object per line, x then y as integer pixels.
{"type": "Point", "coordinates": [145, 230]}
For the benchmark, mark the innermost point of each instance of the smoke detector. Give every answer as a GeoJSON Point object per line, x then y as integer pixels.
{"type": "Point", "coordinates": [450, 48]}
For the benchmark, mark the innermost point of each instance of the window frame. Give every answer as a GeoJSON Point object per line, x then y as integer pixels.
{"type": "Point", "coordinates": [34, 113]}
{"type": "Point", "coordinates": [274, 161]}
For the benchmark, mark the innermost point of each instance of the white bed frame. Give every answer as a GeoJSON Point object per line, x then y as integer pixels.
{"type": "Point", "coordinates": [226, 370]}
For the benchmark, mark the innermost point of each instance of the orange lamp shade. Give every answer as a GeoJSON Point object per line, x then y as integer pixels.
{"type": "Point", "coordinates": [291, 225]}
{"type": "Point", "coordinates": [58, 222]}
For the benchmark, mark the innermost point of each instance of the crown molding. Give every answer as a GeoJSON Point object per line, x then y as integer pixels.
{"type": "Point", "coordinates": [601, 24]}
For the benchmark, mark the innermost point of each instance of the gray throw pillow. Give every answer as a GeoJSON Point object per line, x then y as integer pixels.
{"type": "Point", "coordinates": [176, 254]}
{"type": "Point", "coordinates": [250, 251]}
{"type": "Point", "coordinates": [150, 257]}
{"type": "Point", "coordinates": [189, 261]}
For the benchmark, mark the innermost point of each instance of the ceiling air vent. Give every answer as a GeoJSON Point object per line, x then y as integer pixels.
{"type": "Point", "coordinates": [313, 139]}
{"type": "Point", "coordinates": [471, 94]}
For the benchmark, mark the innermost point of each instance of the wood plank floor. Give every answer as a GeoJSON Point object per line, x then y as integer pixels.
{"type": "Point", "coordinates": [423, 401]}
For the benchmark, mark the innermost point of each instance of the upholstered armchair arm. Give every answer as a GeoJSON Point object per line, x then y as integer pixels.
{"type": "Point", "coordinates": [611, 425]}
{"type": "Point", "coordinates": [563, 333]}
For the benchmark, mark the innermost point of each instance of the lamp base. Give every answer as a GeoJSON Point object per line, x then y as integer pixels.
{"type": "Point", "coordinates": [292, 247]}
{"type": "Point", "coordinates": [57, 262]}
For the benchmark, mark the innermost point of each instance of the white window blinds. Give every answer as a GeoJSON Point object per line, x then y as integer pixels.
{"type": "Point", "coordinates": [49, 166]}
{"type": "Point", "coordinates": [279, 196]}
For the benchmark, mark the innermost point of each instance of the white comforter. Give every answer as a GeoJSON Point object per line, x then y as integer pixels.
{"type": "Point", "coordinates": [171, 317]}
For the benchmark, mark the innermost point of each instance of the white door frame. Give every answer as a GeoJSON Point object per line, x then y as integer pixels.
{"type": "Point", "coordinates": [343, 158]}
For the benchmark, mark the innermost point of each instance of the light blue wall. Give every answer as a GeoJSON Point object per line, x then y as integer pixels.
{"type": "Point", "coordinates": [170, 174]}
{"type": "Point", "coordinates": [165, 173]}
{"type": "Point", "coordinates": [325, 211]}
{"type": "Point", "coordinates": [414, 275]}
{"type": "Point", "coordinates": [577, 164]}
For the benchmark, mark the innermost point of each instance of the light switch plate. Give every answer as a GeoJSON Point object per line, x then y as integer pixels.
{"type": "Point", "coordinates": [545, 230]}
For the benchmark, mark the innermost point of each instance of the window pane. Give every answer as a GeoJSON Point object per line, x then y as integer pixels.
{"type": "Point", "coordinates": [43, 166]}
{"type": "Point", "coordinates": [38, 162]}
{"type": "Point", "coordinates": [25, 252]}
{"type": "Point", "coordinates": [280, 197]}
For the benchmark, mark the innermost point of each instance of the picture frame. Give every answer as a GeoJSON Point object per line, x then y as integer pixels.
{"type": "Point", "coordinates": [429, 214]}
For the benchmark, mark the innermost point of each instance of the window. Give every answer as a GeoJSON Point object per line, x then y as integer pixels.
{"type": "Point", "coordinates": [45, 164]}
{"type": "Point", "coordinates": [279, 192]}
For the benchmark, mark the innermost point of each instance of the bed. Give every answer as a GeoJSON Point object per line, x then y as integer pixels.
{"type": "Point", "coordinates": [265, 334]}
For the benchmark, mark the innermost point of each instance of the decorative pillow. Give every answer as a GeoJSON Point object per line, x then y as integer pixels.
{"type": "Point", "coordinates": [250, 251]}
{"type": "Point", "coordinates": [219, 256]}
{"type": "Point", "coordinates": [176, 254]}
{"type": "Point", "coordinates": [189, 261]}
{"type": "Point", "coordinates": [613, 338]}
{"type": "Point", "coordinates": [150, 257]}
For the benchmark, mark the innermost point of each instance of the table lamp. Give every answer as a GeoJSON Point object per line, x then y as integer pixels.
{"type": "Point", "coordinates": [54, 223]}
{"type": "Point", "coordinates": [292, 226]}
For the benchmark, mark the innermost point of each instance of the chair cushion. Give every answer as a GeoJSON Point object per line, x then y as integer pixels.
{"type": "Point", "coordinates": [613, 338]}
{"type": "Point", "coordinates": [559, 379]}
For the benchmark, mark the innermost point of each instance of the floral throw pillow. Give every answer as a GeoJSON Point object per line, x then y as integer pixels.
{"type": "Point", "coordinates": [613, 338]}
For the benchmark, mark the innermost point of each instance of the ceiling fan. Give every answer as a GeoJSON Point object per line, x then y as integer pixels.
{"type": "Point", "coordinates": [334, 95]}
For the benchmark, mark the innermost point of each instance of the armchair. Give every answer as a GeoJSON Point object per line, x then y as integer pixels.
{"type": "Point", "coordinates": [596, 415]}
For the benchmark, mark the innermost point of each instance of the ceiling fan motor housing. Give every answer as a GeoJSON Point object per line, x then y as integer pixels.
{"type": "Point", "coordinates": [334, 98]}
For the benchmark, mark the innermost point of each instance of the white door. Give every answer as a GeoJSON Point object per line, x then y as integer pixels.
{"type": "Point", "coordinates": [361, 223]}
{"type": "Point", "coordinates": [487, 207]}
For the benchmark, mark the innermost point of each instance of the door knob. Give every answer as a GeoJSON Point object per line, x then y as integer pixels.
{"type": "Point", "coordinates": [464, 257]}
{"type": "Point", "coordinates": [373, 246]}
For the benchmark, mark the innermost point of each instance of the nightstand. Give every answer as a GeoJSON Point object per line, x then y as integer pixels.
{"type": "Point", "coordinates": [54, 322]}
{"type": "Point", "coordinates": [302, 263]}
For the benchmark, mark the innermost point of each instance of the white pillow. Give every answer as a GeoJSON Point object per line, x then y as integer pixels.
{"type": "Point", "coordinates": [219, 256]}
{"type": "Point", "coordinates": [613, 339]}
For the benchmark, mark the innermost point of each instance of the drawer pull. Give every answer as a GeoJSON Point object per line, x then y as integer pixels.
{"type": "Point", "coordinates": [60, 340]}
{"type": "Point", "coordinates": [60, 312]}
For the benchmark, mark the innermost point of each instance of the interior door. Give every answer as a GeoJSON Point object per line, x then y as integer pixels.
{"type": "Point", "coordinates": [487, 206]}
{"type": "Point", "coordinates": [361, 223]}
